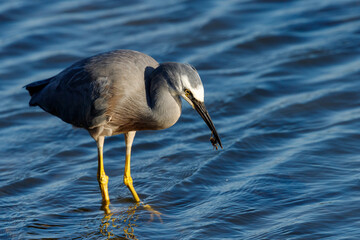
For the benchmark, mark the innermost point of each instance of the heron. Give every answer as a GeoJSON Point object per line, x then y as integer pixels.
{"type": "Point", "coordinates": [121, 92]}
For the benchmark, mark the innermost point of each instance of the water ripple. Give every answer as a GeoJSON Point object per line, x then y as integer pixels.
{"type": "Point", "coordinates": [282, 88]}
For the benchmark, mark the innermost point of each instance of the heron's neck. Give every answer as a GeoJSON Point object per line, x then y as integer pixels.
{"type": "Point", "coordinates": [166, 108]}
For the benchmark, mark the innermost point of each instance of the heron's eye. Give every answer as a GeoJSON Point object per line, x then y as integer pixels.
{"type": "Point", "coordinates": [187, 92]}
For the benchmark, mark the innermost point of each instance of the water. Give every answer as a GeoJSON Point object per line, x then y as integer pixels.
{"type": "Point", "coordinates": [282, 86]}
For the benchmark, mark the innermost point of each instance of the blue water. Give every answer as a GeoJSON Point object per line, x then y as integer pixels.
{"type": "Point", "coordinates": [282, 84]}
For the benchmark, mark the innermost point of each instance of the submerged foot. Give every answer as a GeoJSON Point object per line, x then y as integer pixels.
{"type": "Point", "coordinates": [152, 212]}
{"type": "Point", "coordinates": [137, 206]}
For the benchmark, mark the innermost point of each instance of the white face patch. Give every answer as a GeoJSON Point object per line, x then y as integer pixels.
{"type": "Point", "coordinates": [197, 92]}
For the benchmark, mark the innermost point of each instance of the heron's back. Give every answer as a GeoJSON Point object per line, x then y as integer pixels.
{"type": "Point", "coordinates": [104, 90]}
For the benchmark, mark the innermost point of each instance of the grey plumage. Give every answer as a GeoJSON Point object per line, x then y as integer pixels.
{"type": "Point", "coordinates": [122, 91]}
{"type": "Point", "coordinates": [93, 91]}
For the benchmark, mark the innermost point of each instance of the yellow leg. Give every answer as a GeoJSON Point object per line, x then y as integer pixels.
{"type": "Point", "coordinates": [129, 138]}
{"type": "Point", "coordinates": [101, 176]}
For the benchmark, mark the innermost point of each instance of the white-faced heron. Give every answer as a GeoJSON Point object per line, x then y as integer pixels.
{"type": "Point", "coordinates": [122, 91]}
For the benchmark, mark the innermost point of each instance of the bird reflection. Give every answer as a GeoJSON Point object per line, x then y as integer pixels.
{"type": "Point", "coordinates": [113, 225]}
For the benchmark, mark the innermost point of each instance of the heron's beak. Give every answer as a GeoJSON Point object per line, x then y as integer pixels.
{"type": "Point", "coordinates": [201, 109]}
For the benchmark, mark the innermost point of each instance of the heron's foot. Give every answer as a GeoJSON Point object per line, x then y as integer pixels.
{"type": "Point", "coordinates": [152, 212]}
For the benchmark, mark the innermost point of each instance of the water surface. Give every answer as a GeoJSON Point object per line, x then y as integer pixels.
{"type": "Point", "coordinates": [282, 87]}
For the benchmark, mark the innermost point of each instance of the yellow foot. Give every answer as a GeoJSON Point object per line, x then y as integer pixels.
{"type": "Point", "coordinates": [152, 212]}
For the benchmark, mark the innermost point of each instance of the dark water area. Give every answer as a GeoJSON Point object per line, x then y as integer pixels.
{"type": "Point", "coordinates": [282, 84]}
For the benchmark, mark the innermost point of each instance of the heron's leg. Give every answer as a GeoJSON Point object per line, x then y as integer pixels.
{"type": "Point", "coordinates": [129, 138]}
{"type": "Point", "coordinates": [101, 176]}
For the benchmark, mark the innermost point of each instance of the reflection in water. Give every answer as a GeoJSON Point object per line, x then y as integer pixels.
{"type": "Point", "coordinates": [124, 220]}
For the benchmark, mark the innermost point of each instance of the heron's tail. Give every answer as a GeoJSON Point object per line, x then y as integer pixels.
{"type": "Point", "coordinates": [36, 87]}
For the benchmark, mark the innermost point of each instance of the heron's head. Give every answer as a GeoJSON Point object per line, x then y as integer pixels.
{"type": "Point", "coordinates": [190, 87]}
{"type": "Point", "coordinates": [185, 81]}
